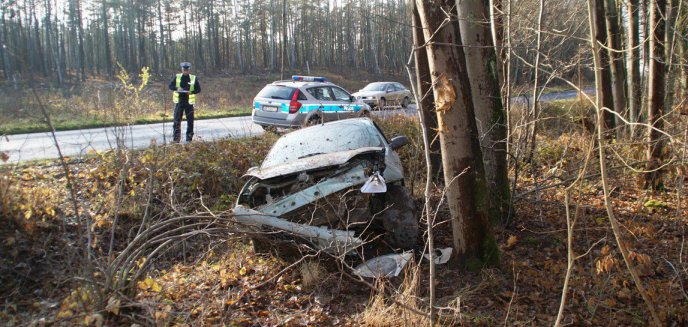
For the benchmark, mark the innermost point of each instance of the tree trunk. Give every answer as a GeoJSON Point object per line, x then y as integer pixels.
{"type": "Point", "coordinates": [80, 30]}
{"type": "Point", "coordinates": [474, 241]}
{"type": "Point", "coordinates": [283, 46]}
{"type": "Point", "coordinates": [3, 52]}
{"type": "Point", "coordinates": [617, 58]}
{"type": "Point", "coordinates": [163, 48]}
{"type": "Point", "coordinates": [39, 48]}
{"type": "Point", "coordinates": [656, 84]}
{"type": "Point", "coordinates": [424, 86]}
{"type": "Point", "coordinates": [497, 24]}
{"type": "Point", "coordinates": [482, 67]}
{"type": "Point", "coordinates": [671, 22]}
{"type": "Point", "coordinates": [635, 93]}
{"type": "Point", "coordinates": [239, 44]}
{"type": "Point", "coordinates": [605, 91]}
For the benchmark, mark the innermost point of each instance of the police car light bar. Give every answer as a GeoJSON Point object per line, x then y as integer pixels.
{"type": "Point", "coordinates": [298, 78]}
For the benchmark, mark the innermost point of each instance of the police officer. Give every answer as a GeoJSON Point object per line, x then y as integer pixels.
{"type": "Point", "coordinates": [185, 87]}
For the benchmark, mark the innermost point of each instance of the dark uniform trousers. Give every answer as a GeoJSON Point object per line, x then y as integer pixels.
{"type": "Point", "coordinates": [188, 110]}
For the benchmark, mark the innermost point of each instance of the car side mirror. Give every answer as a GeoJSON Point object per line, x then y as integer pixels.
{"type": "Point", "coordinates": [352, 98]}
{"type": "Point", "coordinates": [398, 142]}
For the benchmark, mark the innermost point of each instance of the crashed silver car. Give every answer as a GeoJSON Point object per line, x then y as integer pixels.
{"type": "Point", "coordinates": [329, 185]}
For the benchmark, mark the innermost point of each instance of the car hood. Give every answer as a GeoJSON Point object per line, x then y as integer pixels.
{"type": "Point", "coordinates": [309, 163]}
{"type": "Point", "coordinates": [368, 93]}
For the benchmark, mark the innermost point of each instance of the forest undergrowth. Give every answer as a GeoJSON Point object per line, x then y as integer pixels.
{"type": "Point", "coordinates": [211, 275]}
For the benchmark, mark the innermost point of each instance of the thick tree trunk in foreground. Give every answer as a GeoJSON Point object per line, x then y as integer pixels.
{"type": "Point", "coordinates": [474, 241]}
{"type": "Point", "coordinates": [482, 67]}
{"type": "Point", "coordinates": [656, 84]}
{"type": "Point", "coordinates": [424, 87]}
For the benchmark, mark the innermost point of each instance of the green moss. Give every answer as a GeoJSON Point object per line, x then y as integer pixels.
{"type": "Point", "coordinates": [489, 257]}
{"type": "Point", "coordinates": [655, 204]}
{"type": "Point", "coordinates": [473, 264]}
{"type": "Point", "coordinates": [529, 240]}
{"type": "Point", "coordinates": [490, 251]}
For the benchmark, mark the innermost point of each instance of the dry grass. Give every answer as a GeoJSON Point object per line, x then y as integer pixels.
{"type": "Point", "coordinates": [395, 309]}
{"type": "Point", "coordinates": [312, 274]}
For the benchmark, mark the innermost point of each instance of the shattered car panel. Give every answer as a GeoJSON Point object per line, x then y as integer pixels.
{"type": "Point", "coordinates": [353, 135]}
{"type": "Point", "coordinates": [312, 178]}
{"type": "Point", "coordinates": [310, 162]}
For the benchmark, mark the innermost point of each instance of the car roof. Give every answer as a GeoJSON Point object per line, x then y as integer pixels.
{"type": "Point", "coordinates": [337, 124]}
{"type": "Point", "coordinates": [360, 121]}
{"type": "Point", "coordinates": [300, 83]}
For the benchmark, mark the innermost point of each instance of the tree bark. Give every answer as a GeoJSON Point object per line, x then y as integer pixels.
{"type": "Point", "coordinates": [656, 85]}
{"type": "Point", "coordinates": [602, 58]}
{"type": "Point", "coordinates": [80, 30]}
{"type": "Point", "coordinates": [424, 87]}
{"type": "Point", "coordinates": [497, 24]}
{"type": "Point", "coordinates": [473, 239]}
{"type": "Point", "coordinates": [635, 93]}
{"type": "Point", "coordinates": [617, 58]}
{"type": "Point", "coordinates": [482, 68]}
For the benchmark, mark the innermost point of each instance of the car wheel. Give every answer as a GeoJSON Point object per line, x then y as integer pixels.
{"type": "Point", "coordinates": [313, 120]}
{"type": "Point", "coordinates": [405, 103]}
{"type": "Point", "coordinates": [365, 113]}
{"type": "Point", "coordinates": [270, 129]}
{"type": "Point", "coordinates": [399, 218]}
{"type": "Point", "coordinates": [382, 103]}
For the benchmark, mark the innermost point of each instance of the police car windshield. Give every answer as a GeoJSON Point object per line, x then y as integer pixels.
{"type": "Point", "coordinates": [279, 92]}
{"type": "Point", "coordinates": [321, 140]}
{"type": "Point", "coordinates": [375, 87]}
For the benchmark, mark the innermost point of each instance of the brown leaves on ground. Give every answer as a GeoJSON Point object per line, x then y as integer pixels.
{"type": "Point", "coordinates": [219, 287]}
{"type": "Point", "coordinates": [220, 290]}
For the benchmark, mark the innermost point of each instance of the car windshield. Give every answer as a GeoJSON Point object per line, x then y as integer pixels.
{"type": "Point", "coordinates": [279, 92]}
{"type": "Point", "coordinates": [375, 87]}
{"type": "Point", "coordinates": [323, 139]}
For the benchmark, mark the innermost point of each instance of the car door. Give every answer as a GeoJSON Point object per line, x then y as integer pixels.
{"type": "Point", "coordinates": [398, 93]}
{"type": "Point", "coordinates": [392, 94]}
{"type": "Point", "coordinates": [342, 100]}
{"type": "Point", "coordinates": [402, 93]}
{"type": "Point", "coordinates": [324, 100]}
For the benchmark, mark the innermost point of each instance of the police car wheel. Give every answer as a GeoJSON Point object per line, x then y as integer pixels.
{"type": "Point", "coordinates": [313, 120]}
{"type": "Point", "coordinates": [270, 129]}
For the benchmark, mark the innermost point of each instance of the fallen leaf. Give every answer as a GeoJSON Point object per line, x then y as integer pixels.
{"type": "Point", "coordinates": [511, 241]}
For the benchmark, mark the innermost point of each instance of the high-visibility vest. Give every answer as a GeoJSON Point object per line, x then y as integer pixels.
{"type": "Point", "coordinates": [192, 82]}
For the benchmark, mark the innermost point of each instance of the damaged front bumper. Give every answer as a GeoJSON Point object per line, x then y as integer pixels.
{"type": "Point", "coordinates": [332, 241]}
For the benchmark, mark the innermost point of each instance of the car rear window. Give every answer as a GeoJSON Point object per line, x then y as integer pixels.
{"type": "Point", "coordinates": [279, 92]}
{"type": "Point", "coordinates": [375, 87]}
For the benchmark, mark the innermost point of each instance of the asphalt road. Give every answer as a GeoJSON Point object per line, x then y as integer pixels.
{"type": "Point", "coordinates": [78, 143]}
{"type": "Point", "coordinates": [75, 144]}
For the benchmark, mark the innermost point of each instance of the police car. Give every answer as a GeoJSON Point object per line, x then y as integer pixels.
{"type": "Point", "coordinates": [304, 101]}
